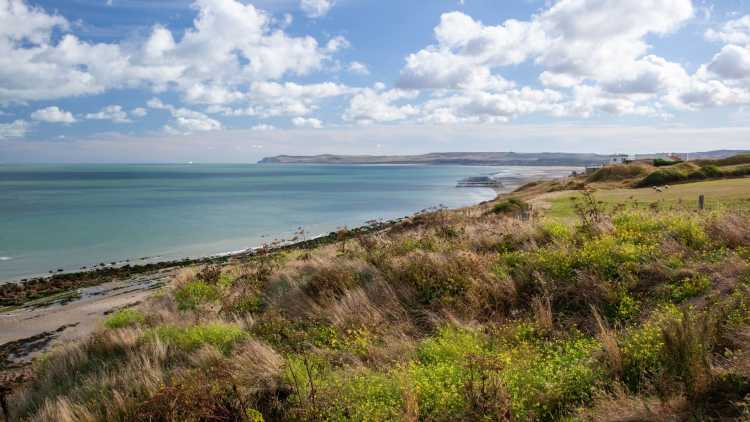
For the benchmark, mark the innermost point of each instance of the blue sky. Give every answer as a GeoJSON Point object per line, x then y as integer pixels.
{"type": "Point", "coordinates": [233, 81]}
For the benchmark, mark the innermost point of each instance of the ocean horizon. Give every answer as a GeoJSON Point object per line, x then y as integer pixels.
{"type": "Point", "coordinates": [69, 216]}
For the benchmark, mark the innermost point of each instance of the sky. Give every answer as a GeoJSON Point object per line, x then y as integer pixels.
{"type": "Point", "coordinates": [238, 80]}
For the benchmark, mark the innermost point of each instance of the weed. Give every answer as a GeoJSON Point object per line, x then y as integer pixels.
{"type": "Point", "coordinates": [124, 318]}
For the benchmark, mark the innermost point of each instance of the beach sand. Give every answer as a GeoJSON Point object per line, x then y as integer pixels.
{"type": "Point", "coordinates": [27, 331]}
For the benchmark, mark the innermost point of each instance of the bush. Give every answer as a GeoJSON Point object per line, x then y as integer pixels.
{"type": "Point", "coordinates": [210, 274]}
{"type": "Point", "coordinates": [642, 349]}
{"type": "Point", "coordinates": [545, 381]}
{"type": "Point", "coordinates": [124, 318]}
{"type": "Point", "coordinates": [660, 162]}
{"type": "Point", "coordinates": [444, 278]}
{"type": "Point", "coordinates": [729, 161]}
{"type": "Point", "coordinates": [690, 287]}
{"type": "Point", "coordinates": [195, 293]}
{"type": "Point", "coordinates": [221, 335]}
{"type": "Point", "coordinates": [663, 177]}
{"type": "Point", "coordinates": [439, 374]}
{"type": "Point", "coordinates": [510, 206]}
{"type": "Point", "coordinates": [618, 172]}
{"type": "Point", "coordinates": [332, 281]}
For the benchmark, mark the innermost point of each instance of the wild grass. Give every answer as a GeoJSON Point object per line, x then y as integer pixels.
{"type": "Point", "coordinates": [451, 315]}
{"type": "Point", "coordinates": [125, 318]}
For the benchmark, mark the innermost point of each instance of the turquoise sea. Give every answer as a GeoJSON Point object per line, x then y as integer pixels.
{"type": "Point", "coordinates": [69, 216]}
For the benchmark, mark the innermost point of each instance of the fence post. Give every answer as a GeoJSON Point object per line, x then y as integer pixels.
{"type": "Point", "coordinates": [702, 202]}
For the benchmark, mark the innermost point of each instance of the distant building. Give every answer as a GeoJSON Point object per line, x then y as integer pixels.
{"type": "Point", "coordinates": [619, 159]}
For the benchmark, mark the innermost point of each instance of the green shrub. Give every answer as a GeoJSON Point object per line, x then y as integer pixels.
{"type": "Point", "coordinates": [643, 349]}
{"type": "Point", "coordinates": [195, 293]}
{"type": "Point", "coordinates": [613, 258]}
{"type": "Point", "coordinates": [729, 161]}
{"type": "Point", "coordinates": [444, 278]}
{"type": "Point", "coordinates": [617, 172]}
{"type": "Point", "coordinates": [247, 304]}
{"type": "Point", "coordinates": [439, 374]}
{"type": "Point", "coordinates": [355, 394]}
{"type": "Point", "coordinates": [547, 380]}
{"type": "Point", "coordinates": [556, 231]}
{"type": "Point", "coordinates": [690, 287]}
{"type": "Point", "coordinates": [710, 171]}
{"type": "Point", "coordinates": [221, 335]}
{"type": "Point", "coordinates": [641, 352]}
{"type": "Point", "coordinates": [664, 176]}
{"type": "Point", "coordinates": [510, 206]}
{"type": "Point", "coordinates": [124, 318]}
{"type": "Point", "coordinates": [660, 162]}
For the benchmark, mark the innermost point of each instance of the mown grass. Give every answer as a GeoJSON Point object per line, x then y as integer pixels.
{"type": "Point", "coordinates": [730, 194]}
{"type": "Point", "coordinates": [617, 310]}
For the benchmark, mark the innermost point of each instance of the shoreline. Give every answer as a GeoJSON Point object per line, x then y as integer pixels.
{"type": "Point", "coordinates": [69, 307]}
{"type": "Point", "coordinates": [56, 282]}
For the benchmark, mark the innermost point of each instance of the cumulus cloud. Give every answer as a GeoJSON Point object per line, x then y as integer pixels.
{"type": "Point", "coordinates": [316, 8]}
{"type": "Point", "coordinates": [371, 105]}
{"type": "Point", "coordinates": [53, 114]}
{"type": "Point", "coordinates": [230, 45]}
{"type": "Point", "coordinates": [736, 31]}
{"type": "Point", "coordinates": [114, 113]}
{"type": "Point", "coordinates": [185, 120]}
{"type": "Point", "coordinates": [16, 129]}
{"type": "Point", "coordinates": [138, 112]}
{"type": "Point", "coordinates": [593, 54]}
{"type": "Point", "coordinates": [732, 62]}
{"type": "Point", "coordinates": [263, 127]}
{"type": "Point", "coordinates": [359, 68]}
{"type": "Point", "coordinates": [307, 122]}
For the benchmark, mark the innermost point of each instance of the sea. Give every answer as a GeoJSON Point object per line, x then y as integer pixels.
{"type": "Point", "coordinates": [64, 217]}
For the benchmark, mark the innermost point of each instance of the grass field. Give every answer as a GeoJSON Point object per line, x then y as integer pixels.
{"type": "Point", "coordinates": [728, 193]}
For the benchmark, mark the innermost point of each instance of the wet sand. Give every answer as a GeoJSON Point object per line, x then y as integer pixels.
{"type": "Point", "coordinates": [27, 331]}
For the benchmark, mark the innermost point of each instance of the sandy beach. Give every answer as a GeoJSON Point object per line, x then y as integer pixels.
{"type": "Point", "coordinates": [27, 331]}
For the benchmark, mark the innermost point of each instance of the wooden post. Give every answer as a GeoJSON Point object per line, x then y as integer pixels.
{"type": "Point", "coordinates": [702, 202]}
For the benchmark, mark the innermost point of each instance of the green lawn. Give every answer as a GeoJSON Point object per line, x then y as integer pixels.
{"type": "Point", "coordinates": [729, 193]}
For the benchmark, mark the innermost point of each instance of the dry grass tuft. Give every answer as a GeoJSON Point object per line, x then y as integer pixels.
{"type": "Point", "coordinates": [542, 310]}
{"type": "Point", "coordinates": [608, 338]}
{"type": "Point", "coordinates": [687, 345]}
{"type": "Point", "coordinates": [731, 229]}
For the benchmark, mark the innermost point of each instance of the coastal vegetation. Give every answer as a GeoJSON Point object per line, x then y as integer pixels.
{"type": "Point", "coordinates": [546, 304]}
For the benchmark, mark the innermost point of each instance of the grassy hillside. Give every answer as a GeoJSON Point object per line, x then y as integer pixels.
{"type": "Point", "coordinates": [660, 172]}
{"type": "Point", "coordinates": [728, 194]}
{"type": "Point", "coordinates": [608, 313]}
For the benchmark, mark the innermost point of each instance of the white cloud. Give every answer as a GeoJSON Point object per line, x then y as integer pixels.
{"type": "Point", "coordinates": [467, 47]}
{"type": "Point", "coordinates": [359, 68]}
{"type": "Point", "coordinates": [487, 107]}
{"type": "Point", "coordinates": [735, 31]}
{"type": "Point", "coordinates": [230, 45]}
{"type": "Point", "coordinates": [53, 114]}
{"type": "Point", "coordinates": [16, 129]}
{"type": "Point", "coordinates": [185, 120]}
{"type": "Point", "coordinates": [316, 8]}
{"type": "Point", "coordinates": [592, 49]}
{"type": "Point", "coordinates": [307, 122]}
{"type": "Point", "coordinates": [138, 112]}
{"type": "Point", "coordinates": [263, 127]}
{"type": "Point", "coordinates": [272, 99]}
{"type": "Point", "coordinates": [115, 113]}
{"type": "Point", "coordinates": [732, 62]}
{"type": "Point", "coordinates": [378, 106]}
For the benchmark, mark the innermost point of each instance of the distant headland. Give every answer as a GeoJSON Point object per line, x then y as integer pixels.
{"type": "Point", "coordinates": [475, 158]}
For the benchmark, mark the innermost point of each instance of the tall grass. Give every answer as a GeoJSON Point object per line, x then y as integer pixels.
{"type": "Point", "coordinates": [465, 315]}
